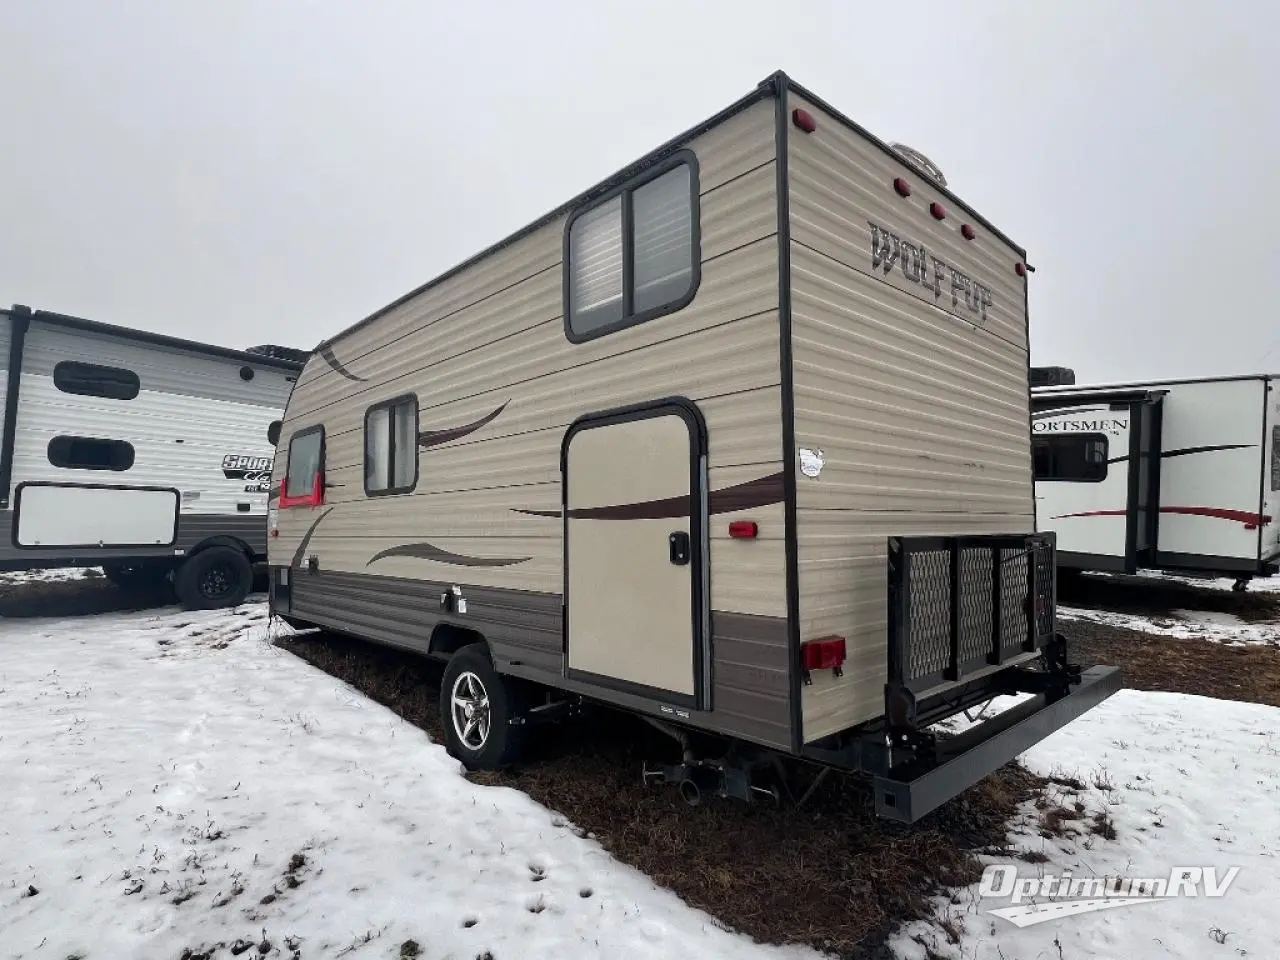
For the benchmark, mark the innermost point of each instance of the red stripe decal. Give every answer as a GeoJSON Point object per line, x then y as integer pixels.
{"type": "Point", "coordinates": [1250, 520]}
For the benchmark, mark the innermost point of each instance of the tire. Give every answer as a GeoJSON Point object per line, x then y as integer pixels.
{"type": "Point", "coordinates": [140, 576]}
{"type": "Point", "coordinates": [213, 578]}
{"type": "Point", "coordinates": [470, 676]}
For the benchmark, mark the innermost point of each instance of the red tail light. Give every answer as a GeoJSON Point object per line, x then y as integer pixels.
{"type": "Point", "coordinates": [823, 653]}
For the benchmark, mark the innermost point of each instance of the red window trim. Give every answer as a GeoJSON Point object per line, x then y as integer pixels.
{"type": "Point", "coordinates": [313, 499]}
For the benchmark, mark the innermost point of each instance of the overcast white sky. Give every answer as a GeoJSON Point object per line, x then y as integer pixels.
{"type": "Point", "coordinates": [245, 171]}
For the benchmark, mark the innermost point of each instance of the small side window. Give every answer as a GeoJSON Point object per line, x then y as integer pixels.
{"type": "Point", "coordinates": [1275, 458]}
{"type": "Point", "coordinates": [304, 478]}
{"type": "Point", "coordinates": [391, 447]}
{"type": "Point", "coordinates": [90, 453]}
{"type": "Point", "coordinates": [95, 380]}
{"type": "Point", "coordinates": [1075, 457]}
{"type": "Point", "coordinates": [635, 253]}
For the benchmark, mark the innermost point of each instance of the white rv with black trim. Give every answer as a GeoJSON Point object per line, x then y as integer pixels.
{"type": "Point", "coordinates": [143, 454]}
{"type": "Point", "coordinates": [1175, 475]}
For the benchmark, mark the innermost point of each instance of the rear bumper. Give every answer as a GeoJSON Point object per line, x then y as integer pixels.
{"type": "Point", "coordinates": [910, 792]}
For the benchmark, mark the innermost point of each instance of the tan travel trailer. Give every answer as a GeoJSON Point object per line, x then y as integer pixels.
{"type": "Point", "coordinates": [736, 440]}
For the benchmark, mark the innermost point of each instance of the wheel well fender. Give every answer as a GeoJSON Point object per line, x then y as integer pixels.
{"type": "Point", "coordinates": [235, 543]}
{"type": "Point", "coordinates": [448, 638]}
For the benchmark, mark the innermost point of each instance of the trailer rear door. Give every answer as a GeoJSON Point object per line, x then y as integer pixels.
{"type": "Point", "coordinates": [634, 552]}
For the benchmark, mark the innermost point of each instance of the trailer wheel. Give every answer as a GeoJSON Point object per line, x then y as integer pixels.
{"type": "Point", "coordinates": [477, 705]}
{"type": "Point", "coordinates": [214, 577]}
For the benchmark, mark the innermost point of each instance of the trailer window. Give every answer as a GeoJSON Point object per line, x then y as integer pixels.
{"type": "Point", "coordinates": [634, 254]}
{"type": "Point", "coordinates": [391, 447]}
{"type": "Point", "coordinates": [95, 380]}
{"type": "Point", "coordinates": [1275, 458]}
{"type": "Point", "coordinates": [1077, 457]}
{"type": "Point", "coordinates": [90, 453]}
{"type": "Point", "coordinates": [306, 461]}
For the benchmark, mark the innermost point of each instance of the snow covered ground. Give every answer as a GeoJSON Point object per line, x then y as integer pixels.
{"type": "Point", "coordinates": [1185, 782]}
{"type": "Point", "coordinates": [174, 782]}
{"type": "Point", "coordinates": [1183, 625]}
{"type": "Point", "coordinates": [1258, 585]}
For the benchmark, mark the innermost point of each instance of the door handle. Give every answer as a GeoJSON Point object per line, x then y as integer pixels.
{"type": "Point", "coordinates": [679, 543]}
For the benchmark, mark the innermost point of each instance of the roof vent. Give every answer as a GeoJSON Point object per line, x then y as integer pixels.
{"type": "Point", "coordinates": [1052, 376]}
{"type": "Point", "coordinates": [920, 162]}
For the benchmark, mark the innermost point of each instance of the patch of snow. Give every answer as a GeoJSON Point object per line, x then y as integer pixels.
{"type": "Point", "coordinates": [1183, 625]}
{"type": "Point", "coordinates": [1185, 781]}
{"type": "Point", "coordinates": [53, 575]}
{"type": "Point", "coordinates": [173, 781]}
{"type": "Point", "coordinates": [1256, 585]}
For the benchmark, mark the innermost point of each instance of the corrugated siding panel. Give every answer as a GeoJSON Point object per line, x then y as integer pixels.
{"type": "Point", "coordinates": [192, 529]}
{"type": "Point", "coordinates": [190, 412]}
{"type": "Point", "coordinates": [736, 208]}
{"type": "Point", "coordinates": [491, 337]}
{"type": "Point", "coordinates": [917, 403]}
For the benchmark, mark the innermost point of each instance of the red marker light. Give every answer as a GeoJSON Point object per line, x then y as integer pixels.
{"type": "Point", "coordinates": [743, 530]}
{"type": "Point", "coordinates": [968, 232]}
{"type": "Point", "coordinates": [1020, 269]}
{"type": "Point", "coordinates": [804, 120]}
{"type": "Point", "coordinates": [902, 187]}
{"type": "Point", "coordinates": [938, 210]}
{"type": "Point", "coordinates": [823, 653]}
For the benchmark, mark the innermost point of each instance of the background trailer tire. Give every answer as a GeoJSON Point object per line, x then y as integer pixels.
{"type": "Point", "coordinates": [476, 707]}
{"type": "Point", "coordinates": [137, 576]}
{"type": "Point", "coordinates": [215, 577]}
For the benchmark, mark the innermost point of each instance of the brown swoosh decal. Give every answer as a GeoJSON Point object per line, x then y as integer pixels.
{"type": "Point", "coordinates": [742, 496]}
{"type": "Point", "coordinates": [327, 354]}
{"type": "Point", "coordinates": [429, 551]}
{"type": "Point", "coordinates": [306, 540]}
{"type": "Point", "coordinates": [433, 438]}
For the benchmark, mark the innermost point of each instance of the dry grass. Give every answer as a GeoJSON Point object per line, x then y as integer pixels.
{"type": "Point", "coordinates": [1247, 673]}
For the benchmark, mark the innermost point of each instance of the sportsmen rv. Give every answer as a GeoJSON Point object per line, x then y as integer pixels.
{"type": "Point", "coordinates": [736, 440]}
{"type": "Point", "coordinates": [140, 453]}
{"type": "Point", "coordinates": [1175, 475]}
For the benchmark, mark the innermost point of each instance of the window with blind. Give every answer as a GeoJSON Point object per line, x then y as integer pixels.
{"type": "Point", "coordinates": [391, 447]}
{"type": "Point", "coordinates": [634, 254]}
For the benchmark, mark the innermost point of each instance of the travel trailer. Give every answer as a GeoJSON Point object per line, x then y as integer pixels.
{"type": "Point", "coordinates": [142, 454]}
{"type": "Point", "coordinates": [736, 440]}
{"type": "Point", "coordinates": [1175, 475]}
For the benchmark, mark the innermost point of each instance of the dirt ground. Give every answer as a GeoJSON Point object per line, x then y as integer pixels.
{"type": "Point", "coordinates": [1152, 662]}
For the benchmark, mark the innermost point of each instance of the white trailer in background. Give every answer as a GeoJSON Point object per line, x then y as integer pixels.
{"type": "Point", "coordinates": [143, 454]}
{"type": "Point", "coordinates": [1175, 475]}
